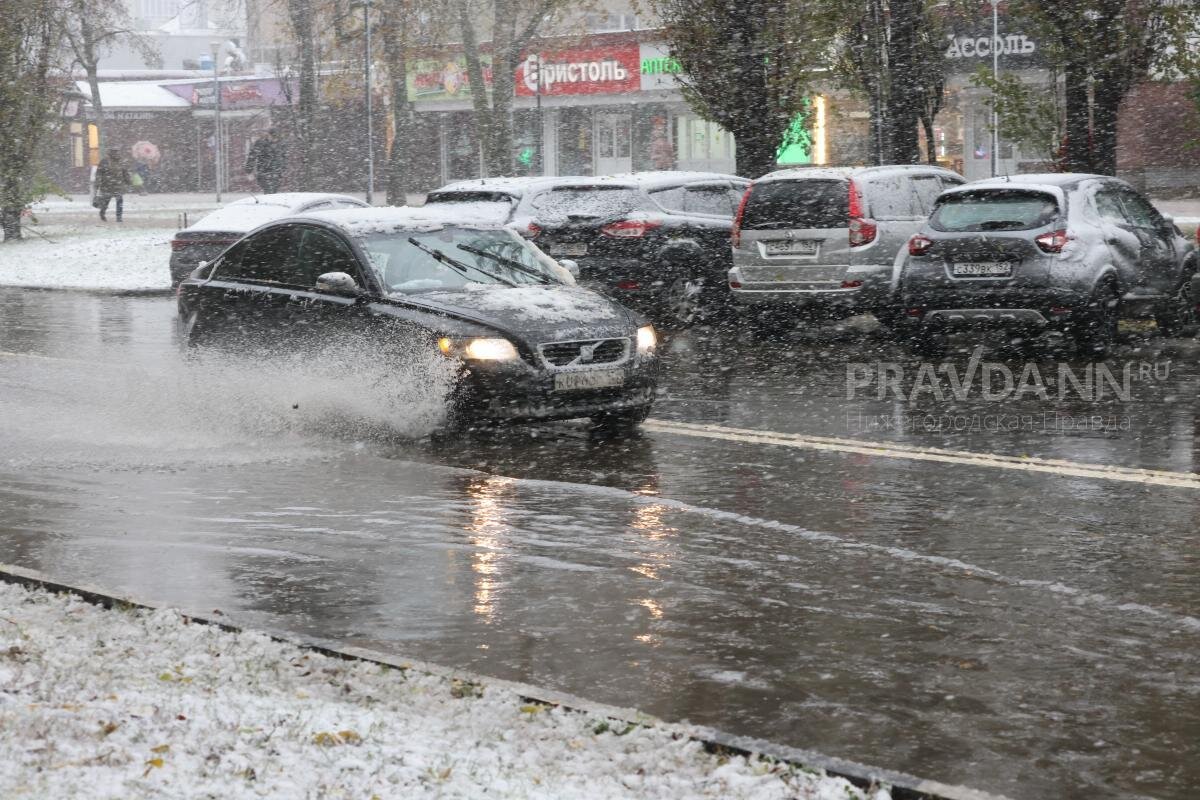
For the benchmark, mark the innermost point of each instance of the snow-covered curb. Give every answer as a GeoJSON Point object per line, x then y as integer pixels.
{"type": "Point", "coordinates": [139, 703]}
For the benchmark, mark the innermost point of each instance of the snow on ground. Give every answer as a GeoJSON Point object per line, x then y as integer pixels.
{"type": "Point", "coordinates": [131, 704]}
{"type": "Point", "coordinates": [108, 258]}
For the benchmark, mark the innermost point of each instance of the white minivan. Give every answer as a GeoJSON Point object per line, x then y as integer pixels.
{"type": "Point", "coordinates": [824, 240]}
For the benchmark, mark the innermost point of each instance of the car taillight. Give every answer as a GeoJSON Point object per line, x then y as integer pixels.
{"type": "Point", "coordinates": [629, 228]}
{"type": "Point", "coordinates": [179, 244]}
{"type": "Point", "coordinates": [919, 245]}
{"type": "Point", "coordinates": [862, 230]}
{"type": "Point", "coordinates": [735, 234]}
{"type": "Point", "coordinates": [532, 230]}
{"type": "Point", "coordinates": [1053, 242]}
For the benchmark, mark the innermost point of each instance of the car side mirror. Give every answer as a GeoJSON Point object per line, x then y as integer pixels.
{"type": "Point", "coordinates": [570, 266]}
{"type": "Point", "coordinates": [337, 283]}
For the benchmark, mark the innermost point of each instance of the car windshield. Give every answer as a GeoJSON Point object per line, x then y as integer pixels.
{"type": "Point", "coordinates": [994, 210]}
{"type": "Point", "coordinates": [589, 201]}
{"type": "Point", "coordinates": [780, 205]}
{"type": "Point", "coordinates": [407, 261]}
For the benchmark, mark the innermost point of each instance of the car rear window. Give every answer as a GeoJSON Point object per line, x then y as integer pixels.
{"type": "Point", "coordinates": [589, 201]}
{"type": "Point", "coordinates": [994, 210]}
{"type": "Point", "coordinates": [779, 205]}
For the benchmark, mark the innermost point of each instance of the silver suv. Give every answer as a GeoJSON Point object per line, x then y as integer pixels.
{"type": "Point", "coordinates": [1064, 253]}
{"type": "Point", "coordinates": [826, 240]}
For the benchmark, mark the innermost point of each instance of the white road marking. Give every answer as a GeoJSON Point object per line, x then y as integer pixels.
{"type": "Point", "coordinates": [1076, 469]}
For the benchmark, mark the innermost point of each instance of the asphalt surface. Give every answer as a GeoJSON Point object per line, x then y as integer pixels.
{"type": "Point", "coordinates": [996, 592]}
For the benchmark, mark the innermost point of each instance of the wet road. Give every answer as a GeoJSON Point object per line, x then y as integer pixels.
{"type": "Point", "coordinates": [1022, 623]}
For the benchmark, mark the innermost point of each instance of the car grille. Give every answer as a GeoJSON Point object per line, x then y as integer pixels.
{"type": "Point", "coordinates": [585, 352]}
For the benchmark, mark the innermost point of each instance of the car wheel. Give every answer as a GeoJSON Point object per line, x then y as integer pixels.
{"type": "Point", "coordinates": [682, 302]}
{"type": "Point", "coordinates": [1178, 315]}
{"type": "Point", "coordinates": [619, 423]}
{"type": "Point", "coordinates": [1096, 330]}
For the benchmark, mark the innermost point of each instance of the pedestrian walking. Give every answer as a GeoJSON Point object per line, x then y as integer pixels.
{"type": "Point", "coordinates": [267, 160]}
{"type": "Point", "coordinates": [112, 178]}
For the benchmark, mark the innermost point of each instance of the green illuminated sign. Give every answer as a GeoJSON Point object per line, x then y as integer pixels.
{"type": "Point", "coordinates": [661, 66]}
{"type": "Point", "coordinates": [796, 147]}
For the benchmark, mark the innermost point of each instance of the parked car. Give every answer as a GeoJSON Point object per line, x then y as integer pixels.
{"type": "Point", "coordinates": [657, 241]}
{"type": "Point", "coordinates": [205, 240]}
{"type": "Point", "coordinates": [817, 241]}
{"type": "Point", "coordinates": [1066, 253]}
{"type": "Point", "coordinates": [529, 344]}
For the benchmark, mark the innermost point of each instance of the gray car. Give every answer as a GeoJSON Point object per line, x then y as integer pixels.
{"type": "Point", "coordinates": [826, 240]}
{"type": "Point", "coordinates": [1067, 253]}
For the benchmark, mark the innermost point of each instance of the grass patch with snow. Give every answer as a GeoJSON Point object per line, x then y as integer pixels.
{"type": "Point", "coordinates": [139, 704]}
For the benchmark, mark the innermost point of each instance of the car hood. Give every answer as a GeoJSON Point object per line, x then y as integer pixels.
{"type": "Point", "coordinates": [535, 313]}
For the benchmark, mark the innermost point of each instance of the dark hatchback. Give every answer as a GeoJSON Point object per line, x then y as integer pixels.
{"type": "Point", "coordinates": [656, 241]}
{"type": "Point", "coordinates": [526, 344]}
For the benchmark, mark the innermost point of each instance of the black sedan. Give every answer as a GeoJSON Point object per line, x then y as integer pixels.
{"type": "Point", "coordinates": [524, 343]}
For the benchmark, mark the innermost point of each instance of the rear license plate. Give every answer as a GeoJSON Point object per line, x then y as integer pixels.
{"type": "Point", "coordinates": [982, 269]}
{"type": "Point", "coordinates": [569, 249]}
{"type": "Point", "coordinates": [591, 379]}
{"type": "Point", "coordinates": [792, 247]}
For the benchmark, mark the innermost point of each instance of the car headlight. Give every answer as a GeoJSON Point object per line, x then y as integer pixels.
{"type": "Point", "coordinates": [479, 349]}
{"type": "Point", "coordinates": [647, 339]}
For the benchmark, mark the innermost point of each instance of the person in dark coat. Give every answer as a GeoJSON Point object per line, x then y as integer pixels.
{"type": "Point", "coordinates": [112, 178]}
{"type": "Point", "coordinates": [267, 160]}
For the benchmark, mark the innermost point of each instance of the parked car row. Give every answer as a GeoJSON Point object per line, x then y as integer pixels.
{"type": "Point", "coordinates": [484, 274]}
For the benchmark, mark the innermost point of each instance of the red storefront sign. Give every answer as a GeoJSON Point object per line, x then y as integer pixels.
{"type": "Point", "coordinates": [614, 69]}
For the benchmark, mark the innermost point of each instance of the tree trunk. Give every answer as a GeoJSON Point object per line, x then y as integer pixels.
{"type": "Point", "coordinates": [305, 121]}
{"type": "Point", "coordinates": [479, 92]}
{"type": "Point", "coordinates": [1079, 133]}
{"type": "Point", "coordinates": [10, 222]}
{"type": "Point", "coordinates": [904, 99]}
{"type": "Point", "coordinates": [930, 145]}
{"type": "Point", "coordinates": [1106, 103]}
{"type": "Point", "coordinates": [395, 50]}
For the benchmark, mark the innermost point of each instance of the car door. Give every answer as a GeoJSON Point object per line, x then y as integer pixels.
{"type": "Point", "coordinates": [242, 302]}
{"type": "Point", "coordinates": [1158, 261]}
{"type": "Point", "coordinates": [317, 314]}
{"type": "Point", "coordinates": [1120, 234]}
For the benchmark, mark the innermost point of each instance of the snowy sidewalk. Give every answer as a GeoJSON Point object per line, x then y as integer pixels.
{"type": "Point", "coordinates": [141, 704]}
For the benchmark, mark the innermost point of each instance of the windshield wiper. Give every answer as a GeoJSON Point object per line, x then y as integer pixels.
{"type": "Point", "coordinates": [455, 264]}
{"type": "Point", "coordinates": [508, 262]}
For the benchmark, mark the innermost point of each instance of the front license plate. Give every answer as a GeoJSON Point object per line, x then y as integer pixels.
{"type": "Point", "coordinates": [591, 379]}
{"type": "Point", "coordinates": [982, 269]}
{"type": "Point", "coordinates": [569, 249]}
{"type": "Point", "coordinates": [791, 247]}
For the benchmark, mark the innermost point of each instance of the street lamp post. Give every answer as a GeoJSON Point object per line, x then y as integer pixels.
{"type": "Point", "coordinates": [995, 79]}
{"type": "Point", "coordinates": [218, 160]}
{"type": "Point", "coordinates": [366, 8]}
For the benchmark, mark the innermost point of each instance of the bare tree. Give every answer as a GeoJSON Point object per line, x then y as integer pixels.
{"type": "Point", "coordinates": [747, 65]}
{"type": "Point", "coordinates": [513, 24]}
{"type": "Point", "coordinates": [1104, 48]}
{"type": "Point", "coordinates": [894, 51]}
{"type": "Point", "coordinates": [30, 39]}
{"type": "Point", "coordinates": [303, 15]}
{"type": "Point", "coordinates": [92, 27]}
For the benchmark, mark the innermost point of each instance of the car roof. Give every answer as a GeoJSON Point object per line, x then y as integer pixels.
{"type": "Point", "coordinates": [845, 173]}
{"type": "Point", "coordinates": [246, 214]}
{"type": "Point", "coordinates": [512, 186]}
{"type": "Point", "coordinates": [1044, 180]}
{"type": "Point", "coordinates": [358, 221]}
{"type": "Point", "coordinates": [294, 199]}
{"type": "Point", "coordinates": [646, 181]}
